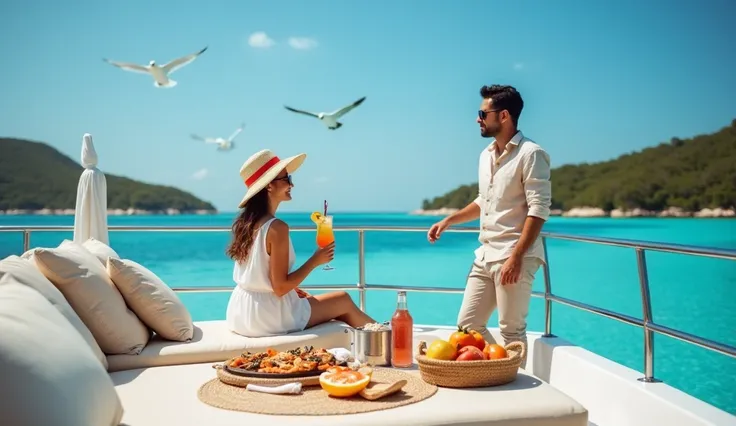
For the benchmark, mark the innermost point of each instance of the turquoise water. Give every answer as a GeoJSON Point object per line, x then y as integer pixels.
{"type": "Point", "coordinates": [692, 294]}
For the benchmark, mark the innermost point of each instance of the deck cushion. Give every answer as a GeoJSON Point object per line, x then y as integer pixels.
{"type": "Point", "coordinates": [214, 342]}
{"type": "Point", "coordinates": [154, 302]}
{"type": "Point", "coordinates": [84, 282]}
{"type": "Point", "coordinates": [14, 269]}
{"type": "Point", "coordinates": [168, 396]}
{"type": "Point", "coordinates": [48, 374]}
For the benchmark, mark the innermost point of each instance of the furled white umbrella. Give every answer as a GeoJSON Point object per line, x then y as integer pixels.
{"type": "Point", "coordinates": [90, 215]}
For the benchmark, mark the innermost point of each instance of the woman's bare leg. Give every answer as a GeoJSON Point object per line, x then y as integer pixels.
{"type": "Point", "coordinates": [336, 305]}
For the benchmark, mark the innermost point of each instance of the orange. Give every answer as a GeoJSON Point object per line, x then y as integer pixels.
{"type": "Point", "coordinates": [343, 383]}
{"type": "Point", "coordinates": [441, 349]}
{"type": "Point", "coordinates": [494, 351]}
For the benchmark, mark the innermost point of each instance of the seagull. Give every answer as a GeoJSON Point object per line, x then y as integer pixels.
{"type": "Point", "coordinates": [223, 144]}
{"type": "Point", "coordinates": [330, 119]}
{"type": "Point", "coordinates": [160, 74]}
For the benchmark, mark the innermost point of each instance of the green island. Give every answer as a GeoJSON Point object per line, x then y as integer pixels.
{"type": "Point", "coordinates": [37, 178]}
{"type": "Point", "coordinates": [682, 177]}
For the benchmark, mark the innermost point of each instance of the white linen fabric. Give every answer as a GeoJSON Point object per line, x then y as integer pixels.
{"type": "Point", "coordinates": [254, 310]}
{"type": "Point", "coordinates": [90, 213]}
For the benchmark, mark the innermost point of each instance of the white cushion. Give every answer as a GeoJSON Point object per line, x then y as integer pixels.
{"type": "Point", "coordinates": [14, 269]}
{"type": "Point", "coordinates": [168, 396]}
{"type": "Point", "coordinates": [214, 342]}
{"type": "Point", "coordinates": [154, 302]}
{"type": "Point", "coordinates": [48, 375]}
{"type": "Point", "coordinates": [83, 281]}
{"type": "Point", "coordinates": [101, 250]}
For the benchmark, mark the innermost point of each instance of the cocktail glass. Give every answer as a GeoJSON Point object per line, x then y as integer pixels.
{"type": "Point", "coordinates": [325, 236]}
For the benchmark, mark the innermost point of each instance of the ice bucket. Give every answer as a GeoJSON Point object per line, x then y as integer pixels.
{"type": "Point", "coordinates": [371, 347]}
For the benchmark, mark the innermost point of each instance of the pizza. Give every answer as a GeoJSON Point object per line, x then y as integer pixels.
{"type": "Point", "coordinates": [300, 360]}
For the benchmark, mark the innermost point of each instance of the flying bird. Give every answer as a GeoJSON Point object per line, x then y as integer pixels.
{"type": "Point", "coordinates": [160, 74]}
{"type": "Point", "coordinates": [222, 144]}
{"type": "Point", "coordinates": [330, 119]}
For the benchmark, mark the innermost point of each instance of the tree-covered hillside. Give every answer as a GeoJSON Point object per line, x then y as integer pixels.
{"type": "Point", "coordinates": [35, 176]}
{"type": "Point", "coordinates": [691, 174]}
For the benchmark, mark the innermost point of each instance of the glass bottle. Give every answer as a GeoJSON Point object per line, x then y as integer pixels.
{"type": "Point", "coordinates": [402, 334]}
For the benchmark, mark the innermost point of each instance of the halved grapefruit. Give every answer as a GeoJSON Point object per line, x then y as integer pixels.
{"type": "Point", "coordinates": [343, 383]}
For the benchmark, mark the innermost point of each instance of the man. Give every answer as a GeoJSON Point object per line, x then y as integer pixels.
{"type": "Point", "coordinates": [513, 203]}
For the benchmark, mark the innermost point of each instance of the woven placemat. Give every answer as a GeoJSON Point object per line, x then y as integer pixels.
{"type": "Point", "coordinates": [313, 401]}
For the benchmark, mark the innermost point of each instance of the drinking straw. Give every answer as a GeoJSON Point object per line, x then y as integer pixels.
{"type": "Point", "coordinates": [325, 207]}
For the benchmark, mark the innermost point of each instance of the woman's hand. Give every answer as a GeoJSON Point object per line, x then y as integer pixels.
{"type": "Point", "coordinates": [301, 293]}
{"type": "Point", "coordinates": [325, 254]}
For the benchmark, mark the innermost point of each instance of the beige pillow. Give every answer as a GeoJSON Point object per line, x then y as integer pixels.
{"type": "Point", "coordinates": [101, 250]}
{"type": "Point", "coordinates": [85, 284]}
{"type": "Point", "coordinates": [155, 303]}
{"type": "Point", "coordinates": [47, 374]}
{"type": "Point", "coordinates": [13, 269]}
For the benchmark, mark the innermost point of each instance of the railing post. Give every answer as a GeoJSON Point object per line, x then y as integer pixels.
{"type": "Point", "coordinates": [646, 305]}
{"type": "Point", "coordinates": [26, 240]}
{"type": "Point", "coordinates": [547, 293]}
{"type": "Point", "coordinates": [361, 268]}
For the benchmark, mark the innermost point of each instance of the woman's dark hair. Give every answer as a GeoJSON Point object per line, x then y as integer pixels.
{"type": "Point", "coordinates": [244, 227]}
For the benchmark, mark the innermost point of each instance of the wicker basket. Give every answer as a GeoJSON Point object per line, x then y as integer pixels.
{"type": "Point", "coordinates": [471, 374]}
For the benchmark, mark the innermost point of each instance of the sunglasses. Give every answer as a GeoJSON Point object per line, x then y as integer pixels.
{"type": "Point", "coordinates": [287, 178]}
{"type": "Point", "coordinates": [482, 114]}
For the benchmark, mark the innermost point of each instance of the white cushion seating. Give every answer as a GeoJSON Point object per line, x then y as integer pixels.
{"type": "Point", "coordinates": [48, 373]}
{"type": "Point", "coordinates": [14, 269]}
{"type": "Point", "coordinates": [214, 342]}
{"type": "Point", "coordinates": [168, 396]}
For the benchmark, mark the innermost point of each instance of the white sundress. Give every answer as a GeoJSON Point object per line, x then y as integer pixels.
{"type": "Point", "coordinates": [254, 310]}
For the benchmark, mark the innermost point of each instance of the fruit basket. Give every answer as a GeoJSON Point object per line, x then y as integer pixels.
{"type": "Point", "coordinates": [470, 374]}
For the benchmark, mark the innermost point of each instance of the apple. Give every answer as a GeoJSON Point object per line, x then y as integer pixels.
{"type": "Point", "coordinates": [470, 353]}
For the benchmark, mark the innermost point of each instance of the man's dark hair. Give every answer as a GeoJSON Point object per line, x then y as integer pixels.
{"type": "Point", "coordinates": [504, 97]}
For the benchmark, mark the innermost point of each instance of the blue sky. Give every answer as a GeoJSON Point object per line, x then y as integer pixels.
{"type": "Point", "coordinates": [599, 79]}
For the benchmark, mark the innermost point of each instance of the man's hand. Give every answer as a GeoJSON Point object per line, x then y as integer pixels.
{"type": "Point", "coordinates": [301, 293]}
{"type": "Point", "coordinates": [511, 270]}
{"type": "Point", "coordinates": [436, 230]}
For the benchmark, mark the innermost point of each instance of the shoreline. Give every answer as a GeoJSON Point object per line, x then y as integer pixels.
{"type": "Point", "coordinates": [590, 212]}
{"type": "Point", "coordinates": [110, 212]}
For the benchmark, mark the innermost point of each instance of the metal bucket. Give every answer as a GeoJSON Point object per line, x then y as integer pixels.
{"type": "Point", "coordinates": [371, 347]}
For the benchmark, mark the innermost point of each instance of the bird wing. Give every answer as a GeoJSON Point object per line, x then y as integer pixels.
{"type": "Point", "coordinates": [344, 110]}
{"type": "Point", "coordinates": [128, 66]}
{"type": "Point", "coordinates": [301, 112]}
{"type": "Point", "coordinates": [180, 62]}
{"type": "Point", "coordinates": [236, 132]}
{"type": "Point", "coordinates": [200, 138]}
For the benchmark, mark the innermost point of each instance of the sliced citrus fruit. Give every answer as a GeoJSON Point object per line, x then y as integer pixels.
{"type": "Point", "coordinates": [317, 217]}
{"type": "Point", "coordinates": [343, 384]}
{"type": "Point", "coordinates": [367, 371]}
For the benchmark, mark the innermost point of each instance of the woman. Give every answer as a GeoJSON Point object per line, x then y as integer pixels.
{"type": "Point", "coordinates": [266, 300]}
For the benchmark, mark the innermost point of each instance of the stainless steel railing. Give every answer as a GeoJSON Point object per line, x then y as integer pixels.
{"type": "Point", "coordinates": [641, 247]}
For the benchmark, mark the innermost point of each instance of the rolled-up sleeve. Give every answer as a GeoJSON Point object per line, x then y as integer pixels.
{"type": "Point", "coordinates": [537, 184]}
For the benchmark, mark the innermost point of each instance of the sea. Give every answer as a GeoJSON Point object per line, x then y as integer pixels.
{"type": "Point", "coordinates": [692, 294]}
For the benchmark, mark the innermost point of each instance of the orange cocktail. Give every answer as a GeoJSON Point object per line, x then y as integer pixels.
{"type": "Point", "coordinates": [325, 235]}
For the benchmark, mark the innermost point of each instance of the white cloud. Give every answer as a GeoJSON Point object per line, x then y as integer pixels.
{"type": "Point", "coordinates": [260, 40]}
{"type": "Point", "coordinates": [518, 66]}
{"type": "Point", "coordinates": [200, 174]}
{"type": "Point", "coordinates": [321, 179]}
{"type": "Point", "coordinates": [302, 43]}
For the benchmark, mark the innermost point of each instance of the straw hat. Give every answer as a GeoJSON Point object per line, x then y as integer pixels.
{"type": "Point", "coordinates": [263, 167]}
